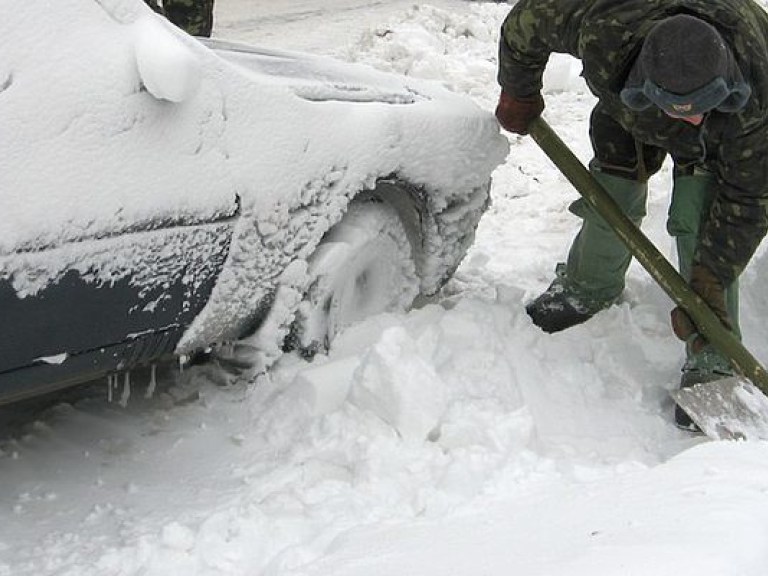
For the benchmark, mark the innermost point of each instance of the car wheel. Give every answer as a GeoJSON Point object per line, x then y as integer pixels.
{"type": "Point", "coordinates": [363, 266]}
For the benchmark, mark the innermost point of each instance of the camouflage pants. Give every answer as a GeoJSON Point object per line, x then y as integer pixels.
{"type": "Point", "coordinates": [195, 17]}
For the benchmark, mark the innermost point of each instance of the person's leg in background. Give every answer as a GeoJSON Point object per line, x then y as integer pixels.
{"type": "Point", "coordinates": [193, 16]}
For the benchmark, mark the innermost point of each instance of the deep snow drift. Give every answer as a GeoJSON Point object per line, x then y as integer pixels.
{"type": "Point", "coordinates": [457, 439]}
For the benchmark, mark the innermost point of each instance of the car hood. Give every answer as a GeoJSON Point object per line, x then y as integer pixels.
{"type": "Point", "coordinates": [315, 78]}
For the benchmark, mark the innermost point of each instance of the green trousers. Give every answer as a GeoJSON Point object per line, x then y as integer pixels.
{"type": "Point", "coordinates": [691, 199]}
{"type": "Point", "coordinates": [598, 260]}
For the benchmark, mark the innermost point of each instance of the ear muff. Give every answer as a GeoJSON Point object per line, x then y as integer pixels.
{"type": "Point", "coordinates": [635, 99]}
{"type": "Point", "coordinates": [737, 99]}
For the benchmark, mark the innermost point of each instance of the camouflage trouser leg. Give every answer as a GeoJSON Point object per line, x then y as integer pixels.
{"type": "Point", "coordinates": [155, 5]}
{"type": "Point", "coordinates": [193, 16]}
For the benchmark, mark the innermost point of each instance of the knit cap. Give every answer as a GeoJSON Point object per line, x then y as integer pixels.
{"type": "Point", "coordinates": [685, 69]}
{"type": "Point", "coordinates": [683, 53]}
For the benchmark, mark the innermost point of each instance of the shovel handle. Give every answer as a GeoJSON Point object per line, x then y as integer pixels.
{"type": "Point", "coordinates": [649, 257]}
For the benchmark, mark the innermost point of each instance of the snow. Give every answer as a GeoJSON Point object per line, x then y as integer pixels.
{"type": "Point", "coordinates": [166, 67]}
{"type": "Point", "coordinates": [395, 384]}
{"type": "Point", "coordinates": [455, 439]}
{"type": "Point", "coordinates": [59, 128]}
{"type": "Point", "coordinates": [364, 265]}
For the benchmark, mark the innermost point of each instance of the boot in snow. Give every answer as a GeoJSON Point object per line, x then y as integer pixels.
{"type": "Point", "coordinates": [560, 307]}
{"type": "Point", "coordinates": [593, 277]}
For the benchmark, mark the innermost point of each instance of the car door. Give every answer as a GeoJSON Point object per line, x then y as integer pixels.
{"type": "Point", "coordinates": [85, 308]}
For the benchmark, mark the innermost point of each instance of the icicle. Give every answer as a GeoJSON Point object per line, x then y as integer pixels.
{"type": "Point", "coordinates": [152, 382]}
{"type": "Point", "coordinates": [126, 389]}
{"type": "Point", "coordinates": [109, 388]}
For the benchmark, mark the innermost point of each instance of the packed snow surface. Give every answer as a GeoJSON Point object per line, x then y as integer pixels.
{"type": "Point", "coordinates": [455, 439]}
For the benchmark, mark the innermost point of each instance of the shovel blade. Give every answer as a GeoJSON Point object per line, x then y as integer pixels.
{"type": "Point", "coordinates": [727, 409]}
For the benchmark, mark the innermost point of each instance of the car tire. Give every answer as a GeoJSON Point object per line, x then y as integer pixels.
{"type": "Point", "coordinates": [362, 267]}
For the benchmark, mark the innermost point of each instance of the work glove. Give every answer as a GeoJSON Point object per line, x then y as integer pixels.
{"type": "Point", "coordinates": [708, 286]}
{"type": "Point", "coordinates": [516, 114]}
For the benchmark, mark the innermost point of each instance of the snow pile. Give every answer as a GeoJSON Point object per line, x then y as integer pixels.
{"type": "Point", "coordinates": [458, 48]}
{"type": "Point", "coordinates": [434, 43]}
{"type": "Point", "coordinates": [400, 388]}
{"type": "Point", "coordinates": [497, 458]}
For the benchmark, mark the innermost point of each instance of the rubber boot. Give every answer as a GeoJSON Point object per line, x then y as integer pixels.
{"type": "Point", "coordinates": [593, 277]}
{"type": "Point", "coordinates": [691, 199]}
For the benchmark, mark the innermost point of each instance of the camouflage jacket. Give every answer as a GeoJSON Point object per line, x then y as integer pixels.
{"type": "Point", "coordinates": [607, 35]}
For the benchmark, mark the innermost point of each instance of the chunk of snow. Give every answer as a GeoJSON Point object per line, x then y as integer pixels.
{"type": "Point", "coordinates": [168, 69]}
{"type": "Point", "coordinates": [178, 537]}
{"type": "Point", "coordinates": [400, 387]}
{"type": "Point", "coordinates": [326, 387]}
{"type": "Point", "coordinates": [53, 359]}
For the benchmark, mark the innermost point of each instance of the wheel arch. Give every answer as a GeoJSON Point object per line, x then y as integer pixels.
{"type": "Point", "coordinates": [439, 229]}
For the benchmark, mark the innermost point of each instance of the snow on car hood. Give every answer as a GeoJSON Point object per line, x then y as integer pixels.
{"type": "Point", "coordinates": [129, 122]}
{"type": "Point", "coordinates": [316, 78]}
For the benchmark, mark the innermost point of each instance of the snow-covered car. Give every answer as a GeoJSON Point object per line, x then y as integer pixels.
{"type": "Point", "coordinates": [164, 195]}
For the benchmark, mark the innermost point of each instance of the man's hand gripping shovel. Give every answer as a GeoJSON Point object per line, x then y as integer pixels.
{"type": "Point", "coordinates": [731, 408]}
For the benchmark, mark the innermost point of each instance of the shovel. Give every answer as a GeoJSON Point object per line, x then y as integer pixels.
{"type": "Point", "coordinates": [730, 408]}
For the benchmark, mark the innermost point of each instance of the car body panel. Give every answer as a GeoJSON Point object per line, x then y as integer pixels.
{"type": "Point", "coordinates": [107, 295]}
